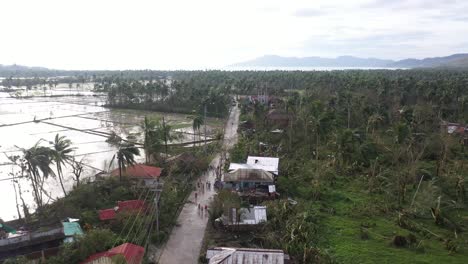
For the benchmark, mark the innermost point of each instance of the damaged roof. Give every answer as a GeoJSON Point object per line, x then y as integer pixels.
{"type": "Point", "coordinates": [255, 175]}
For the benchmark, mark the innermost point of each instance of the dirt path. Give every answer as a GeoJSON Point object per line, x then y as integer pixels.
{"type": "Point", "coordinates": [186, 238]}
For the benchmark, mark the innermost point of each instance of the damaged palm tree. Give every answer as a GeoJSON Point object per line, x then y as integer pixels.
{"type": "Point", "coordinates": [126, 152]}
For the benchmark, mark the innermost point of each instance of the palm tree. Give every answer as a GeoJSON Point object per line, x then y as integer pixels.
{"type": "Point", "coordinates": [61, 149]}
{"type": "Point", "coordinates": [38, 160]}
{"type": "Point", "coordinates": [197, 123]}
{"type": "Point", "coordinates": [373, 121]}
{"type": "Point", "coordinates": [126, 152]}
{"type": "Point", "coordinates": [150, 140]}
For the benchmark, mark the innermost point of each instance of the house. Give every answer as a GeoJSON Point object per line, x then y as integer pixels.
{"type": "Point", "coordinates": [265, 163]}
{"type": "Point", "coordinates": [145, 175]}
{"type": "Point", "coordinates": [129, 253]}
{"type": "Point", "coordinates": [133, 206]}
{"type": "Point", "coordinates": [260, 99]}
{"type": "Point", "coordinates": [454, 128]}
{"type": "Point", "coordinates": [223, 255]}
{"type": "Point", "coordinates": [253, 185]}
{"type": "Point", "coordinates": [278, 118]}
{"type": "Point", "coordinates": [26, 243]}
{"type": "Point", "coordinates": [70, 230]}
{"type": "Point", "coordinates": [246, 179]}
{"type": "Point", "coordinates": [253, 215]}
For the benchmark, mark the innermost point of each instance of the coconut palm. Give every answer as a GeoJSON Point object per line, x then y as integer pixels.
{"type": "Point", "coordinates": [126, 152]}
{"type": "Point", "coordinates": [151, 140]}
{"type": "Point", "coordinates": [197, 123]}
{"type": "Point", "coordinates": [38, 160]}
{"type": "Point", "coordinates": [373, 121]}
{"type": "Point", "coordinates": [61, 150]}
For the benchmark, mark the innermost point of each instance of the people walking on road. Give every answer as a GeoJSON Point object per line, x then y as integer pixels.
{"type": "Point", "coordinates": [196, 196]}
{"type": "Point", "coordinates": [206, 210]}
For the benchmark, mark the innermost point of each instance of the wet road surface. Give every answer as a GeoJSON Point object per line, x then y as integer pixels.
{"type": "Point", "coordinates": [184, 244]}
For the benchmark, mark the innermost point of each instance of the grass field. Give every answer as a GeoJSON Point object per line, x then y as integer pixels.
{"type": "Point", "coordinates": [355, 210]}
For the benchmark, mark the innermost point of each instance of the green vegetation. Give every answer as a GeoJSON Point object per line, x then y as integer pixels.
{"type": "Point", "coordinates": [365, 154]}
{"type": "Point", "coordinates": [376, 176]}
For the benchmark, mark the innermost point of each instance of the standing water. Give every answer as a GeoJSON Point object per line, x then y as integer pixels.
{"type": "Point", "coordinates": [81, 118]}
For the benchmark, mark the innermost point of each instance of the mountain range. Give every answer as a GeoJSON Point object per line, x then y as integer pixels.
{"type": "Point", "coordinates": [455, 60]}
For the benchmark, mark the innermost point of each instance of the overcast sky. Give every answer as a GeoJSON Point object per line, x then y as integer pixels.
{"type": "Point", "coordinates": [176, 34]}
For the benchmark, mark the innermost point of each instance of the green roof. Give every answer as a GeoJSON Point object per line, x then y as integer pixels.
{"type": "Point", "coordinates": [72, 228]}
{"type": "Point", "coordinates": [8, 229]}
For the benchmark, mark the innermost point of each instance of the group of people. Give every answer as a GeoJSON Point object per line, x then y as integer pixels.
{"type": "Point", "coordinates": [203, 210]}
{"type": "Point", "coordinates": [201, 187]}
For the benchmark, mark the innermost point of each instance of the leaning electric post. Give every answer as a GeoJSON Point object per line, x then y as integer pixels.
{"type": "Point", "coordinates": [204, 122]}
{"type": "Point", "coordinates": [157, 187]}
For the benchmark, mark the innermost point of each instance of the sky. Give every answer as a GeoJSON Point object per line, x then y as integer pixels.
{"type": "Point", "coordinates": [207, 34]}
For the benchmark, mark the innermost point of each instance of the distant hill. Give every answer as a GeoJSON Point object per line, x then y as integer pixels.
{"type": "Point", "coordinates": [19, 70]}
{"type": "Point", "coordinates": [343, 61]}
{"type": "Point", "coordinates": [15, 67]}
{"type": "Point", "coordinates": [456, 60]}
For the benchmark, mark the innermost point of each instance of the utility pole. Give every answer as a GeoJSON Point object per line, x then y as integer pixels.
{"type": "Point", "coordinates": [204, 122]}
{"type": "Point", "coordinates": [157, 188]}
{"type": "Point", "coordinates": [165, 137]}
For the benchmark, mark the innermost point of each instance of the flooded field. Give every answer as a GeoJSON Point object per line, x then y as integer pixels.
{"type": "Point", "coordinates": [82, 119]}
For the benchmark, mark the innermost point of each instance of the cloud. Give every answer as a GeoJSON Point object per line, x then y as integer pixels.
{"type": "Point", "coordinates": [309, 12]}
{"type": "Point", "coordinates": [411, 4]}
{"type": "Point", "coordinates": [390, 46]}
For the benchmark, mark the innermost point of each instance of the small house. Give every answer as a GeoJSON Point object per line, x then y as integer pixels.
{"type": "Point", "coordinates": [144, 175]}
{"type": "Point", "coordinates": [132, 206]}
{"type": "Point", "coordinates": [253, 185]}
{"type": "Point", "coordinates": [248, 179]}
{"type": "Point", "coordinates": [454, 128]}
{"type": "Point", "coordinates": [278, 118]}
{"type": "Point", "coordinates": [70, 230]}
{"type": "Point", "coordinates": [253, 215]}
{"type": "Point", "coordinates": [126, 253]}
{"type": "Point", "coordinates": [265, 163]}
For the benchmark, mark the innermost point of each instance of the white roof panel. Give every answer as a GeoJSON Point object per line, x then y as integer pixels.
{"type": "Point", "coordinates": [265, 163]}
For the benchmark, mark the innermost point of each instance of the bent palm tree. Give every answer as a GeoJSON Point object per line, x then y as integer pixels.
{"type": "Point", "coordinates": [126, 152]}
{"type": "Point", "coordinates": [61, 149]}
{"type": "Point", "coordinates": [38, 160]}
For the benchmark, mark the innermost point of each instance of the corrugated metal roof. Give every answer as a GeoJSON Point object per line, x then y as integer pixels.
{"type": "Point", "coordinates": [128, 206]}
{"type": "Point", "coordinates": [244, 256]}
{"type": "Point", "coordinates": [131, 205]}
{"type": "Point", "coordinates": [253, 175]}
{"type": "Point", "coordinates": [106, 214]}
{"type": "Point", "coordinates": [139, 171]}
{"type": "Point", "coordinates": [235, 166]}
{"type": "Point", "coordinates": [133, 254]}
{"type": "Point", "coordinates": [266, 163]}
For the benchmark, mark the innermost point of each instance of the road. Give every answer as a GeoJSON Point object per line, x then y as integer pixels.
{"type": "Point", "coordinates": [184, 244]}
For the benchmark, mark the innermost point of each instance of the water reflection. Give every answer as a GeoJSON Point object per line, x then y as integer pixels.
{"type": "Point", "coordinates": [81, 118]}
